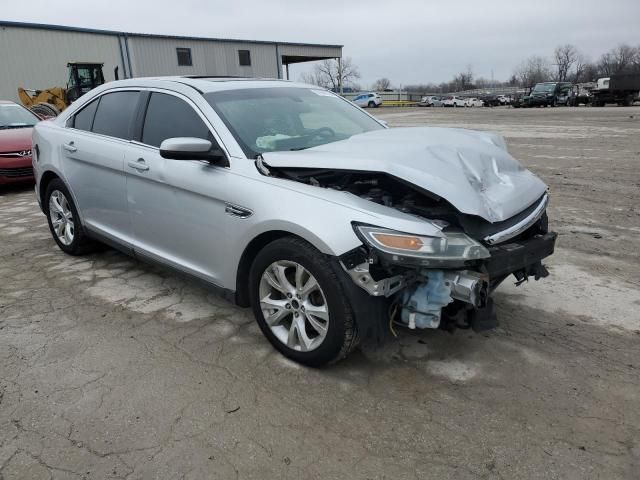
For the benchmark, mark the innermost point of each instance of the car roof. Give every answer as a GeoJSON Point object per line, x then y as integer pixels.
{"type": "Point", "coordinates": [206, 84]}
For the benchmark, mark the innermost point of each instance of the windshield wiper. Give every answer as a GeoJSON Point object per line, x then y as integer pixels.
{"type": "Point", "coordinates": [296, 149]}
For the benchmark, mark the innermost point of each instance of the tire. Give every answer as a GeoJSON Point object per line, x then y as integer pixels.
{"type": "Point", "coordinates": [341, 333]}
{"type": "Point", "coordinates": [45, 110]}
{"type": "Point", "coordinates": [371, 104]}
{"type": "Point", "coordinates": [74, 240]}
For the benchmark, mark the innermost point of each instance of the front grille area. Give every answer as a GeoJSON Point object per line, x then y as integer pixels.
{"type": "Point", "coordinates": [16, 172]}
{"type": "Point", "coordinates": [19, 154]}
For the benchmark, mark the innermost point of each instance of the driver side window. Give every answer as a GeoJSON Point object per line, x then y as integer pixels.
{"type": "Point", "coordinates": [168, 117]}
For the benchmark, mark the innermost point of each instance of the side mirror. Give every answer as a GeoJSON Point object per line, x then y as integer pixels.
{"type": "Point", "coordinates": [189, 148]}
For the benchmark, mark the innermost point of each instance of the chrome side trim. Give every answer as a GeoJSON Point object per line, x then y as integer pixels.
{"type": "Point", "coordinates": [237, 211]}
{"type": "Point", "coordinates": [521, 226]}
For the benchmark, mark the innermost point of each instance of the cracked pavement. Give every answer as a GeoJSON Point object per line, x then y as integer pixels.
{"type": "Point", "coordinates": [113, 369]}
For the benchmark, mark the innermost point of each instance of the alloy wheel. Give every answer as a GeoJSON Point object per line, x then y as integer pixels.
{"type": "Point", "coordinates": [61, 217]}
{"type": "Point", "coordinates": [294, 306]}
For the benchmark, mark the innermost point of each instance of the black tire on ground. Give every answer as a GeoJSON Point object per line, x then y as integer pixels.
{"type": "Point", "coordinates": [81, 243]}
{"type": "Point", "coordinates": [371, 104]}
{"type": "Point", "coordinates": [342, 335]}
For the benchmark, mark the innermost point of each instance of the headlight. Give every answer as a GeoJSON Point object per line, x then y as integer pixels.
{"type": "Point", "coordinates": [453, 247]}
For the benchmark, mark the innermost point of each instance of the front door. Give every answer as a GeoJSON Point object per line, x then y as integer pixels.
{"type": "Point", "coordinates": [177, 207]}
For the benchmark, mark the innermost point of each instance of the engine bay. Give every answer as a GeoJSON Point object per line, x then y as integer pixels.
{"type": "Point", "coordinates": [378, 188]}
{"type": "Point", "coordinates": [393, 192]}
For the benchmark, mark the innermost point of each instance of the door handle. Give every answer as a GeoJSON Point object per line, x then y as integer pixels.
{"type": "Point", "coordinates": [139, 165]}
{"type": "Point", "coordinates": [69, 147]}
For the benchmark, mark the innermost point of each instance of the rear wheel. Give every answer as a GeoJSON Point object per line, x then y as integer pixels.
{"type": "Point", "coordinates": [299, 303]}
{"type": "Point", "coordinates": [64, 221]}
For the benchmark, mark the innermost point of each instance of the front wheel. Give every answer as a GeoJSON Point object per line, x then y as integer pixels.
{"type": "Point", "coordinates": [371, 104]}
{"type": "Point", "coordinates": [299, 303]}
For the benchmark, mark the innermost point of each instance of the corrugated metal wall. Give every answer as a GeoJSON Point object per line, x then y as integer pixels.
{"type": "Point", "coordinates": [33, 58]}
{"type": "Point", "coordinates": [157, 56]}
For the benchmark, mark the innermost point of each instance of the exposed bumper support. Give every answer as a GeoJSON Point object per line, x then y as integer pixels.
{"type": "Point", "coordinates": [381, 288]}
{"type": "Point", "coordinates": [513, 257]}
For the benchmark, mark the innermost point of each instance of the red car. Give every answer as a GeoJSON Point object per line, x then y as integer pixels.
{"type": "Point", "coordinates": [16, 123]}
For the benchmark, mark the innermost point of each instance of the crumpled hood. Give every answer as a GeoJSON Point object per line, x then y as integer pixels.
{"type": "Point", "coordinates": [471, 170]}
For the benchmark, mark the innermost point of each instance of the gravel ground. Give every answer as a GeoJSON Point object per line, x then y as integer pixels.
{"type": "Point", "coordinates": [110, 368]}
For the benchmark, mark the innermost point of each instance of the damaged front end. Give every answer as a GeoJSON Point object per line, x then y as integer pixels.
{"type": "Point", "coordinates": [426, 289]}
{"type": "Point", "coordinates": [445, 280]}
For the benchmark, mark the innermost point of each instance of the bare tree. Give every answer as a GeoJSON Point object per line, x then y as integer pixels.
{"type": "Point", "coordinates": [636, 60]}
{"type": "Point", "coordinates": [463, 80]}
{"type": "Point", "coordinates": [381, 84]}
{"type": "Point", "coordinates": [618, 60]}
{"type": "Point", "coordinates": [310, 78]}
{"type": "Point", "coordinates": [533, 70]}
{"type": "Point", "coordinates": [565, 57]}
{"type": "Point", "coordinates": [327, 74]}
{"type": "Point", "coordinates": [579, 69]}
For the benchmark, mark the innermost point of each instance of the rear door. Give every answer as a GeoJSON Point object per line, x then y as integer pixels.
{"type": "Point", "coordinates": [94, 147]}
{"type": "Point", "coordinates": [176, 206]}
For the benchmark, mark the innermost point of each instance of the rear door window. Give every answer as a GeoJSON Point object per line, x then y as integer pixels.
{"type": "Point", "coordinates": [84, 118]}
{"type": "Point", "coordinates": [115, 114]}
{"type": "Point", "coordinates": [168, 117]}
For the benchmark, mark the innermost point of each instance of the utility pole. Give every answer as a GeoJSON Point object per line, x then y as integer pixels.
{"type": "Point", "coordinates": [340, 86]}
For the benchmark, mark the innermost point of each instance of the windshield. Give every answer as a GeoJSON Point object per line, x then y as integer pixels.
{"type": "Point", "coordinates": [15, 116]}
{"type": "Point", "coordinates": [288, 118]}
{"type": "Point", "coordinates": [545, 87]}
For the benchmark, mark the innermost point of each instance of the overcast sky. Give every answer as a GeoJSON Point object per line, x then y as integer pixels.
{"type": "Point", "coordinates": [408, 41]}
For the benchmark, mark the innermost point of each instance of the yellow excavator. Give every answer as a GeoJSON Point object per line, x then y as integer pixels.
{"type": "Point", "coordinates": [83, 76]}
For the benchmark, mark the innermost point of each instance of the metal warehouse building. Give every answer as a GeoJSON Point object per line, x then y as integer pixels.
{"type": "Point", "coordinates": [36, 55]}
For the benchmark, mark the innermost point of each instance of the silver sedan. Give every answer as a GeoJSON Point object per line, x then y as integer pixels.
{"type": "Point", "coordinates": [289, 199]}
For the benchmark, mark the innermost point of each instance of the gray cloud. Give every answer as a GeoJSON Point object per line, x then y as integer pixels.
{"type": "Point", "coordinates": [409, 41]}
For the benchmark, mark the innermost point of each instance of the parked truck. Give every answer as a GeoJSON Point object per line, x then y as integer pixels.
{"type": "Point", "coordinates": [622, 89]}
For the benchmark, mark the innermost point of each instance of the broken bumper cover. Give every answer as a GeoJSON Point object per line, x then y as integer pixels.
{"type": "Point", "coordinates": [523, 258]}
